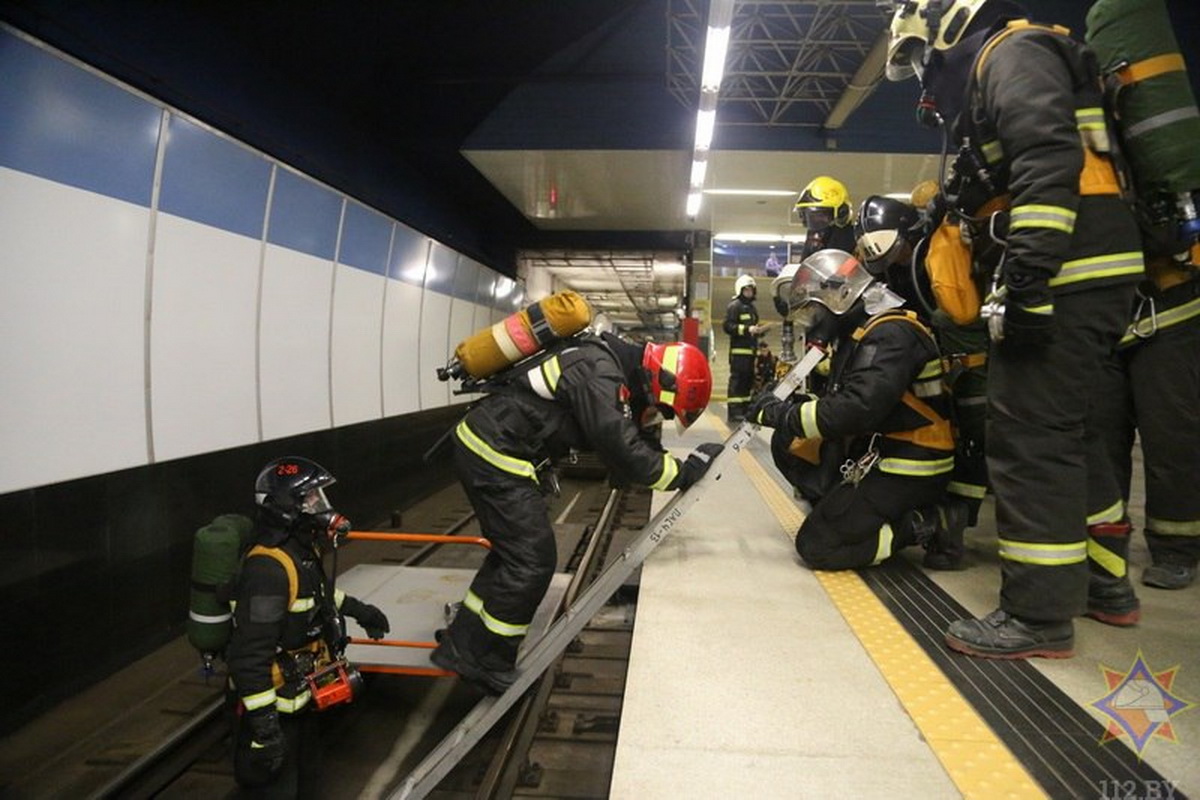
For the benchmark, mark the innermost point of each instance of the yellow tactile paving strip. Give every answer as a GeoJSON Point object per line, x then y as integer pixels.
{"type": "Point", "coordinates": [980, 765]}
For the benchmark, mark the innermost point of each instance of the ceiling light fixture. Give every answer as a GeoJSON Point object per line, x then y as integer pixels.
{"type": "Point", "coordinates": [753, 192]}
{"type": "Point", "coordinates": [716, 46]}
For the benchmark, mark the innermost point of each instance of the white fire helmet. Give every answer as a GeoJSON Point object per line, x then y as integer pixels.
{"type": "Point", "coordinates": [742, 282]}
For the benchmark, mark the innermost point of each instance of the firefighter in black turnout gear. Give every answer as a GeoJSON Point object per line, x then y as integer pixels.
{"type": "Point", "coordinates": [600, 394]}
{"type": "Point", "coordinates": [741, 323]}
{"type": "Point", "coordinates": [874, 453]}
{"type": "Point", "coordinates": [824, 209]}
{"type": "Point", "coordinates": [1024, 104]}
{"type": "Point", "coordinates": [287, 625]}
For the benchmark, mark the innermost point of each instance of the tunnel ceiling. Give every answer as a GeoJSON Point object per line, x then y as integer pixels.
{"type": "Point", "coordinates": [502, 125]}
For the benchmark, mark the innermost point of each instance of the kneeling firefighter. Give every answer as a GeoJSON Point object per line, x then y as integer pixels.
{"type": "Point", "coordinates": [284, 654]}
{"type": "Point", "coordinates": [598, 393]}
{"type": "Point", "coordinates": [875, 452]}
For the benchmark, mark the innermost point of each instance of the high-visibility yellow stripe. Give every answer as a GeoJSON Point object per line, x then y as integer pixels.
{"type": "Point", "coordinates": [499, 627]}
{"type": "Point", "coordinates": [1112, 563]}
{"type": "Point", "coordinates": [497, 459]}
{"type": "Point", "coordinates": [1114, 513]}
{"type": "Point", "coordinates": [259, 700]}
{"type": "Point", "coordinates": [302, 605]}
{"type": "Point", "coordinates": [339, 597]}
{"type": "Point", "coordinates": [290, 705]}
{"type": "Point", "coordinates": [932, 369]}
{"type": "Point", "coordinates": [1041, 216]}
{"type": "Point", "coordinates": [993, 153]}
{"type": "Point", "coordinates": [972, 490]}
{"type": "Point", "coordinates": [1108, 266]}
{"type": "Point", "coordinates": [669, 471]}
{"type": "Point", "coordinates": [884, 549]}
{"type": "Point", "coordinates": [1172, 316]}
{"type": "Point", "coordinates": [974, 757]}
{"type": "Point", "coordinates": [742, 351]}
{"type": "Point", "coordinates": [1169, 527]}
{"type": "Point", "coordinates": [552, 371]}
{"type": "Point", "coordinates": [915, 467]}
{"type": "Point", "coordinates": [1050, 555]}
{"type": "Point", "coordinates": [808, 420]}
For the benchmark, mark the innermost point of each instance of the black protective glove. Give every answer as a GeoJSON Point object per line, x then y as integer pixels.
{"type": "Point", "coordinates": [697, 463]}
{"type": "Point", "coordinates": [1028, 312]}
{"type": "Point", "coordinates": [372, 620]}
{"type": "Point", "coordinates": [768, 410]}
{"type": "Point", "coordinates": [266, 739]}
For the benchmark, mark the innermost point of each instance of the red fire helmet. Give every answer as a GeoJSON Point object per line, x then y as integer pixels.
{"type": "Point", "coordinates": [680, 379]}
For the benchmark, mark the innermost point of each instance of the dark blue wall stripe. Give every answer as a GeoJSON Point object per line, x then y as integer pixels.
{"type": "Point", "coordinates": [365, 238]}
{"type": "Point", "coordinates": [63, 123]}
{"type": "Point", "coordinates": [440, 275]}
{"type": "Point", "coordinates": [304, 215]}
{"type": "Point", "coordinates": [214, 181]}
{"type": "Point", "coordinates": [409, 252]}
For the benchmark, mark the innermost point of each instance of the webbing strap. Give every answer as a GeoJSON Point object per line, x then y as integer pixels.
{"type": "Point", "coordinates": [288, 566]}
{"type": "Point", "coordinates": [1150, 68]}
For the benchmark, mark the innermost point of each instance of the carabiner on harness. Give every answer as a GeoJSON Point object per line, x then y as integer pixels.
{"type": "Point", "coordinates": [853, 471]}
{"type": "Point", "coordinates": [1137, 328]}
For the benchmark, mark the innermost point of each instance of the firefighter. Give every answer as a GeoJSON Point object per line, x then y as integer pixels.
{"type": "Point", "coordinates": [287, 625]}
{"type": "Point", "coordinates": [741, 323]}
{"type": "Point", "coordinates": [598, 393]}
{"type": "Point", "coordinates": [824, 209]}
{"type": "Point", "coordinates": [1023, 103]}
{"type": "Point", "coordinates": [766, 368]}
{"type": "Point", "coordinates": [889, 230]}
{"type": "Point", "coordinates": [1159, 370]}
{"type": "Point", "coordinates": [873, 455]}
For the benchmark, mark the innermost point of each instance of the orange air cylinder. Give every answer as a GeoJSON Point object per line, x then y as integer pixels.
{"type": "Point", "coordinates": [520, 335]}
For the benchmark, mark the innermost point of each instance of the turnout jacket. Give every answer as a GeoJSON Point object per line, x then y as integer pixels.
{"type": "Point", "coordinates": [1034, 115]}
{"type": "Point", "coordinates": [585, 396]}
{"type": "Point", "coordinates": [274, 642]}
{"type": "Point", "coordinates": [886, 379]}
{"type": "Point", "coordinates": [739, 316]}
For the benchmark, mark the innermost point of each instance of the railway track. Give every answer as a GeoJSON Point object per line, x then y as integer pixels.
{"type": "Point", "coordinates": [174, 741]}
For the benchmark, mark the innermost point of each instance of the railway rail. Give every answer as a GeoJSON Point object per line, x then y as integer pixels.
{"type": "Point", "coordinates": [173, 742]}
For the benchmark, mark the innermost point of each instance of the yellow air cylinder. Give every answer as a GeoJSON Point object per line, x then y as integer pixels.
{"type": "Point", "coordinates": [519, 335]}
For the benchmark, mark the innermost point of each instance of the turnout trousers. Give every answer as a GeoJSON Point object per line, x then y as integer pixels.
{"type": "Point", "coordinates": [1160, 401]}
{"type": "Point", "coordinates": [741, 385]}
{"type": "Point", "coordinates": [507, 589]}
{"type": "Point", "coordinates": [1043, 453]}
{"type": "Point", "coordinates": [852, 525]}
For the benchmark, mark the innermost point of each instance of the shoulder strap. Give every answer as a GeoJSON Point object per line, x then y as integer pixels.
{"type": "Point", "coordinates": [1015, 26]}
{"type": "Point", "coordinates": [897, 314]}
{"type": "Point", "coordinates": [288, 565]}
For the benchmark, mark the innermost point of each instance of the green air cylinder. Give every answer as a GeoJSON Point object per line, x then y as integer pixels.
{"type": "Point", "coordinates": [240, 522]}
{"type": "Point", "coordinates": [1157, 116]}
{"type": "Point", "coordinates": [216, 551]}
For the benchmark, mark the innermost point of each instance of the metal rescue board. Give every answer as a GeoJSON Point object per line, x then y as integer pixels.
{"type": "Point", "coordinates": [538, 658]}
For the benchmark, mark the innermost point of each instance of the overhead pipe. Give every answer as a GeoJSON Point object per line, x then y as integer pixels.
{"type": "Point", "coordinates": [861, 85]}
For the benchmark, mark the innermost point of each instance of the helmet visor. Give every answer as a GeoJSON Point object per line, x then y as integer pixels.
{"type": "Point", "coordinates": [315, 502]}
{"type": "Point", "coordinates": [817, 219]}
{"type": "Point", "coordinates": [906, 59]}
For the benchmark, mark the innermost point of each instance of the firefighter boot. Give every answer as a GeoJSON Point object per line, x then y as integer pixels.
{"type": "Point", "coordinates": [467, 647]}
{"type": "Point", "coordinates": [938, 529]}
{"type": "Point", "coordinates": [1111, 599]}
{"type": "Point", "coordinates": [1001, 635]}
{"type": "Point", "coordinates": [1169, 575]}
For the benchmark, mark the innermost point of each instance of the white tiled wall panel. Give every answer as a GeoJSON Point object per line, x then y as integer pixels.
{"type": "Point", "coordinates": [357, 322]}
{"type": "Point", "coordinates": [202, 338]}
{"type": "Point", "coordinates": [401, 338]}
{"type": "Point", "coordinates": [293, 364]}
{"type": "Point", "coordinates": [72, 333]}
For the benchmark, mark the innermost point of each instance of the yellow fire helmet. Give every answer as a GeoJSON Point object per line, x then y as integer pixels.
{"type": "Point", "coordinates": [918, 24]}
{"type": "Point", "coordinates": [824, 202]}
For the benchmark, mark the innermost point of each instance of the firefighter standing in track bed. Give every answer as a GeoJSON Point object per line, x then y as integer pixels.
{"type": "Point", "coordinates": [1025, 105]}
{"type": "Point", "coordinates": [286, 626]}
{"type": "Point", "coordinates": [601, 394]}
{"type": "Point", "coordinates": [741, 323]}
{"type": "Point", "coordinates": [875, 452]}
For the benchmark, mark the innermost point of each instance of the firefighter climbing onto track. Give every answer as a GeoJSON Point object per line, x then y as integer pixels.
{"type": "Point", "coordinates": [1025, 106]}
{"type": "Point", "coordinates": [742, 325]}
{"type": "Point", "coordinates": [875, 452]}
{"type": "Point", "coordinates": [594, 393]}
{"type": "Point", "coordinates": [284, 651]}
